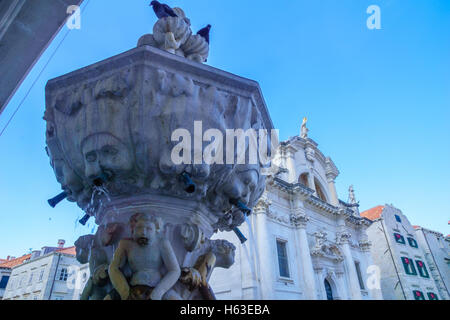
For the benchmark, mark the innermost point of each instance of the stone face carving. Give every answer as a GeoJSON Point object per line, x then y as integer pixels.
{"type": "Point", "coordinates": [111, 140]}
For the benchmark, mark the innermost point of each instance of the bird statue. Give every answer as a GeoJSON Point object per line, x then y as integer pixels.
{"type": "Point", "coordinates": [205, 32]}
{"type": "Point", "coordinates": [162, 10]}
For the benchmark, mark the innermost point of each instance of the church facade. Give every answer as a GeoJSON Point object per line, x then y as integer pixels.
{"type": "Point", "coordinates": [303, 242]}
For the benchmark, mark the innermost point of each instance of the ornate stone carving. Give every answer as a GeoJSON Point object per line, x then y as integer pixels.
{"type": "Point", "coordinates": [278, 217]}
{"type": "Point", "coordinates": [263, 205]}
{"type": "Point", "coordinates": [299, 220]}
{"type": "Point", "coordinates": [174, 35]}
{"type": "Point", "coordinates": [325, 249]}
{"type": "Point", "coordinates": [365, 245]}
{"type": "Point", "coordinates": [110, 140]}
{"type": "Point", "coordinates": [343, 237]}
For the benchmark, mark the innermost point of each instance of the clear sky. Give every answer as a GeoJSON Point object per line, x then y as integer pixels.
{"type": "Point", "coordinates": [378, 101]}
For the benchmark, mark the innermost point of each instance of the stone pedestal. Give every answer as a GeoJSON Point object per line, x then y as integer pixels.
{"type": "Point", "coordinates": [113, 129]}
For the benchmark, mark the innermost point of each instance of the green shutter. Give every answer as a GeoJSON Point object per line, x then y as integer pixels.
{"type": "Point", "coordinates": [408, 265]}
{"type": "Point", "coordinates": [399, 238]}
{"type": "Point", "coordinates": [432, 296]}
{"type": "Point", "coordinates": [422, 269]}
{"type": "Point", "coordinates": [418, 295]}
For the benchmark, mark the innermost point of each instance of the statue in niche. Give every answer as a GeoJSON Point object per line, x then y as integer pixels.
{"type": "Point", "coordinates": [304, 130]}
{"type": "Point", "coordinates": [147, 254]}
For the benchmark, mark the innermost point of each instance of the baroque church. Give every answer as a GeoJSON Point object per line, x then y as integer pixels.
{"type": "Point", "coordinates": [303, 242]}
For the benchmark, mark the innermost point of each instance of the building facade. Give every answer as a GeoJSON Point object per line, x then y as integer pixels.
{"type": "Point", "coordinates": [437, 255]}
{"type": "Point", "coordinates": [404, 269]}
{"type": "Point", "coordinates": [4, 278]}
{"type": "Point", "coordinates": [52, 273]}
{"type": "Point", "coordinates": [303, 242]}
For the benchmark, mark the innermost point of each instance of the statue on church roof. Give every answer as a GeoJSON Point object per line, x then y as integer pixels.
{"type": "Point", "coordinates": [351, 195]}
{"type": "Point", "coordinates": [304, 129]}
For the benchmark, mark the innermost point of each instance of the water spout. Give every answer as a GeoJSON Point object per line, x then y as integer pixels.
{"type": "Point", "coordinates": [55, 200]}
{"type": "Point", "coordinates": [241, 206]}
{"type": "Point", "coordinates": [239, 234]}
{"type": "Point", "coordinates": [190, 185]}
{"type": "Point", "coordinates": [84, 219]}
{"type": "Point", "coordinates": [99, 180]}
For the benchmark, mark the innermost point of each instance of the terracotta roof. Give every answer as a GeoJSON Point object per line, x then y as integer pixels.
{"type": "Point", "coordinates": [15, 262]}
{"type": "Point", "coordinates": [373, 214]}
{"type": "Point", "coordinates": [68, 250]}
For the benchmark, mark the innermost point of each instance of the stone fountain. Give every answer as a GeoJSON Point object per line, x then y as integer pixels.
{"type": "Point", "coordinates": [113, 129]}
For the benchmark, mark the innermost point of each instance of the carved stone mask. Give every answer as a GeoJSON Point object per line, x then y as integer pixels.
{"type": "Point", "coordinates": [241, 185]}
{"type": "Point", "coordinates": [105, 153]}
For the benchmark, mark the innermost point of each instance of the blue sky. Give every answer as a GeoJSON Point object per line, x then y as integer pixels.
{"type": "Point", "coordinates": [378, 101]}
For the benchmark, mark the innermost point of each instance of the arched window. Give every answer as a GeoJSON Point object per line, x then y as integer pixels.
{"type": "Point", "coordinates": [328, 290]}
{"type": "Point", "coordinates": [303, 179]}
{"type": "Point", "coordinates": [319, 191]}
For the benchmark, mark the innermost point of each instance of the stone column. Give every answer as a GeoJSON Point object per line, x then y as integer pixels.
{"type": "Point", "coordinates": [332, 189]}
{"type": "Point", "coordinates": [265, 254]}
{"type": "Point", "coordinates": [343, 239]}
{"type": "Point", "coordinates": [300, 220]}
{"type": "Point", "coordinates": [290, 164]}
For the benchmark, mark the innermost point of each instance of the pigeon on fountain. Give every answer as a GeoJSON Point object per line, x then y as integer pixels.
{"type": "Point", "coordinates": [205, 32]}
{"type": "Point", "coordinates": [162, 10]}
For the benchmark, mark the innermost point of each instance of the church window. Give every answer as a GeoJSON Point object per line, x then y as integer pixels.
{"type": "Point", "coordinates": [319, 191]}
{"type": "Point", "coordinates": [282, 259]}
{"type": "Point", "coordinates": [397, 217]}
{"type": "Point", "coordinates": [328, 290]}
{"type": "Point", "coordinates": [303, 179]}
{"type": "Point", "coordinates": [358, 272]}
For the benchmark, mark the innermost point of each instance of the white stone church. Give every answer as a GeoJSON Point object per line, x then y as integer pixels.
{"type": "Point", "coordinates": [304, 242]}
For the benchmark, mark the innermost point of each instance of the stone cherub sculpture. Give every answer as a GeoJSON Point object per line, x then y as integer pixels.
{"type": "Point", "coordinates": [212, 254]}
{"type": "Point", "coordinates": [146, 253]}
{"type": "Point", "coordinates": [172, 33]}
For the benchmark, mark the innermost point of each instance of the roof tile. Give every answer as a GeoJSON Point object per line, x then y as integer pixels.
{"type": "Point", "coordinates": [373, 214]}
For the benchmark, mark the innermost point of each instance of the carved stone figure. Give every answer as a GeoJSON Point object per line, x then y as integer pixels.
{"type": "Point", "coordinates": [220, 253]}
{"type": "Point", "coordinates": [351, 195]}
{"type": "Point", "coordinates": [97, 251]}
{"type": "Point", "coordinates": [146, 253]}
{"type": "Point", "coordinates": [113, 129]}
{"type": "Point", "coordinates": [304, 130]}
